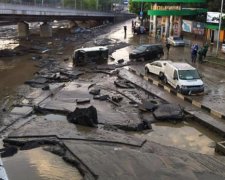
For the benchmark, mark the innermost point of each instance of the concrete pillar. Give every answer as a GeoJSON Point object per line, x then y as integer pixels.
{"type": "Point", "coordinates": [171, 26]}
{"type": "Point", "coordinates": [45, 30]}
{"type": "Point", "coordinates": [22, 29]}
{"type": "Point", "coordinates": [154, 26]}
{"type": "Point", "coordinates": [167, 26]}
{"type": "Point", "coordinates": [179, 25]}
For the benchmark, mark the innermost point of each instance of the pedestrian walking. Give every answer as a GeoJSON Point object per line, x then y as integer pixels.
{"type": "Point", "coordinates": [205, 50]}
{"type": "Point", "coordinates": [194, 52]}
{"type": "Point", "coordinates": [167, 46]}
{"type": "Point", "coordinates": [200, 55]}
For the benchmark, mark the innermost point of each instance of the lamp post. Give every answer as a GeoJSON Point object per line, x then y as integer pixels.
{"type": "Point", "coordinates": [218, 37]}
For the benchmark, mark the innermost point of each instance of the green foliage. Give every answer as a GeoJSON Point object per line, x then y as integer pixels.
{"type": "Point", "coordinates": [136, 7]}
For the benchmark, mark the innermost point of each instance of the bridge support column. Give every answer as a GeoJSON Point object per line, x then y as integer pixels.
{"type": "Point", "coordinates": [22, 29]}
{"type": "Point", "coordinates": [45, 30]}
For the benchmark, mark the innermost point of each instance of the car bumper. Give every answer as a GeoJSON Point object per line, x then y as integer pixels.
{"type": "Point", "coordinates": [180, 44]}
{"type": "Point", "coordinates": [192, 90]}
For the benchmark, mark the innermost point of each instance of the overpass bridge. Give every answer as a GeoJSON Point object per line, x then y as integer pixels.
{"type": "Point", "coordinates": [22, 14]}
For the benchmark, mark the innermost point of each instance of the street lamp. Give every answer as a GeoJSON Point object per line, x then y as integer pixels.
{"type": "Point", "coordinates": [218, 37]}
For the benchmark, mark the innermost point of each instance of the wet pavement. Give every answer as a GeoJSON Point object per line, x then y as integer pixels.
{"type": "Point", "coordinates": [105, 151]}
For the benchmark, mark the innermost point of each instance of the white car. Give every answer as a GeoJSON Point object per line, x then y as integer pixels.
{"type": "Point", "coordinates": [156, 67]}
{"type": "Point", "coordinates": [223, 48]}
{"type": "Point", "coordinates": [175, 41]}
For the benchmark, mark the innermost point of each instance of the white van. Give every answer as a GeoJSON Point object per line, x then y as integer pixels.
{"type": "Point", "coordinates": [183, 77]}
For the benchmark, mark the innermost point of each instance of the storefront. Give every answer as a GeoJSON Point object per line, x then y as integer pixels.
{"type": "Point", "coordinates": [166, 20]}
{"type": "Point", "coordinates": [212, 27]}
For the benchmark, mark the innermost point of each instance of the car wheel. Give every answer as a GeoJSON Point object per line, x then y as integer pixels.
{"type": "Point", "coordinates": [161, 76]}
{"type": "Point", "coordinates": [165, 79]}
{"type": "Point", "coordinates": [146, 70]}
{"type": "Point", "coordinates": [178, 89]}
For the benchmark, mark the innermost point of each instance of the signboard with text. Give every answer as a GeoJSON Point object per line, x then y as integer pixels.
{"type": "Point", "coordinates": [214, 17]}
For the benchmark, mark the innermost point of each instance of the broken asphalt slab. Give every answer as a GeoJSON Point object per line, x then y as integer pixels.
{"type": "Point", "coordinates": [39, 127]}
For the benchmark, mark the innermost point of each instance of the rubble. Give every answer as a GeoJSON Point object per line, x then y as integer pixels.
{"type": "Point", "coordinates": [169, 112]}
{"type": "Point", "coordinates": [84, 116]}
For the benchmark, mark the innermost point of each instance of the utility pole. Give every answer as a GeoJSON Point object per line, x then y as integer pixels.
{"type": "Point", "coordinates": [218, 37]}
{"type": "Point", "coordinates": [75, 4]}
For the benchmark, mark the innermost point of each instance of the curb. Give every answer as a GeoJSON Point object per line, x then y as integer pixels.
{"type": "Point", "coordinates": [185, 98]}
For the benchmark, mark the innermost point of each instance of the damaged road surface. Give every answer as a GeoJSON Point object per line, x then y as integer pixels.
{"type": "Point", "coordinates": [94, 134]}
{"type": "Point", "coordinates": [97, 122]}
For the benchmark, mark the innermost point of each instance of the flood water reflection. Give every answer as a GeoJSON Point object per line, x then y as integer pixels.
{"type": "Point", "coordinates": [37, 164]}
{"type": "Point", "coordinates": [183, 135]}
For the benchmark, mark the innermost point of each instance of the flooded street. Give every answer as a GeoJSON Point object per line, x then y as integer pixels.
{"type": "Point", "coordinates": [41, 164]}
{"type": "Point", "coordinates": [38, 164]}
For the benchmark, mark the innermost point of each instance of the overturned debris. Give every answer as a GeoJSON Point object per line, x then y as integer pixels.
{"type": "Point", "coordinates": [84, 116]}
{"type": "Point", "coordinates": [148, 106]}
{"type": "Point", "coordinates": [122, 83]}
{"type": "Point", "coordinates": [169, 112]}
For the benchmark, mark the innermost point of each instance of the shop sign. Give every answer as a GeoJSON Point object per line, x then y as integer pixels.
{"type": "Point", "coordinates": [186, 26]}
{"type": "Point", "coordinates": [198, 28]}
{"type": "Point", "coordinates": [214, 17]}
{"type": "Point", "coordinates": [155, 7]}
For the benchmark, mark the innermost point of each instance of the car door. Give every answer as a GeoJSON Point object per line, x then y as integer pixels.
{"type": "Point", "coordinates": [148, 53]}
{"type": "Point", "coordinates": [174, 78]}
{"type": "Point", "coordinates": [153, 67]}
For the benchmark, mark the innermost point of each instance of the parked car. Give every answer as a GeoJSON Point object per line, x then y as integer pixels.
{"type": "Point", "coordinates": [223, 48]}
{"type": "Point", "coordinates": [156, 67]}
{"type": "Point", "coordinates": [183, 77]}
{"type": "Point", "coordinates": [147, 52]}
{"type": "Point", "coordinates": [175, 41]}
{"type": "Point", "coordinates": [140, 30]}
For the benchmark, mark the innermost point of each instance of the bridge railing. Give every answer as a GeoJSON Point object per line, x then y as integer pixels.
{"type": "Point", "coordinates": [6, 8]}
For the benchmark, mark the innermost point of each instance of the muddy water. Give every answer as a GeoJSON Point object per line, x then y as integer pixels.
{"type": "Point", "coordinates": [38, 164]}
{"type": "Point", "coordinates": [187, 136]}
{"type": "Point", "coordinates": [14, 72]}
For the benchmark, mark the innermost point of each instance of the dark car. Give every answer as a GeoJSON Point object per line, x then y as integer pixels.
{"type": "Point", "coordinates": [140, 30]}
{"type": "Point", "coordinates": [147, 52]}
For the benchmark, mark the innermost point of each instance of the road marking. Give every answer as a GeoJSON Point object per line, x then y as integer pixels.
{"type": "Point", "coordinates": [190, 100]}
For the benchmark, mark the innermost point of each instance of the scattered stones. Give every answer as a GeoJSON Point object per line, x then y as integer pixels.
{"type": "Point", "coordinates": [84, 116]}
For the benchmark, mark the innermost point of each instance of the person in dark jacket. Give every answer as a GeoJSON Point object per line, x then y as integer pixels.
{"type": "Point", "coordinates": [205, 50]}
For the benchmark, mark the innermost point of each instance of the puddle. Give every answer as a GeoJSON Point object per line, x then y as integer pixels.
{"type": "Point", "coordinates": [37, 164]}
{"type": "Point", "coordinates": [183, 135]}
{"type": "Point", "coordinates": [55, 117]}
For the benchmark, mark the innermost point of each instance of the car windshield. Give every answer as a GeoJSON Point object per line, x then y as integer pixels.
{"type": "Point", "coordinates": [188, 74]}
{"type": "Point", "coordinates": [141, 48]}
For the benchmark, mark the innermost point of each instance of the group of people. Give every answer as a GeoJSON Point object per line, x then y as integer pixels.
{"type": "Point", "coordinates": [199, 52]}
